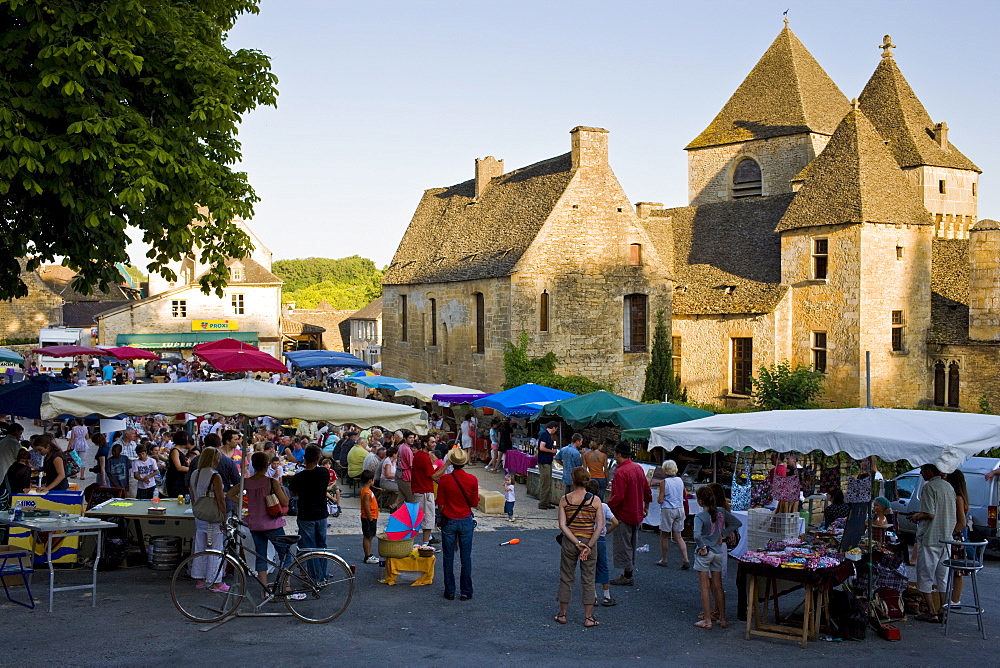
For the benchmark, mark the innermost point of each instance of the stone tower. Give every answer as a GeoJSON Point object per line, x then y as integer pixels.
{"type": "Point", "coordinates": [984, 281]}
{"type": "Point", "coordinates": [947, 181]}
{"type": "Point", "coordinates": [776, 122]}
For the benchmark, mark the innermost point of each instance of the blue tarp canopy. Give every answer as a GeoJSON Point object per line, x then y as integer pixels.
{"type": "Point", "coordinates": [24, 399]}
{"type": "Point", "coordinates": [387, 382]}
{"type": "Point", "coordinates": [523, 400]}
{"type": "Point", "coordinates": [313, 359]}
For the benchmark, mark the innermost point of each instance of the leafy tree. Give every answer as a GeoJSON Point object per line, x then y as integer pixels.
{"type": "Point", "coordinates": [519, 368]}
{"type": "Point", "coordinates": [338, 295]}
{"type": "Point", "coordinates": [661, 382]}
{"type": "Point", "coordinates": [353, 270]}
{"type": "Point", "coordinates": [780, 386]}
{"type": "Point", "coordinates": [118, 113]}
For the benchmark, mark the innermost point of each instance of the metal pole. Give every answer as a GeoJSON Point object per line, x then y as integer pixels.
{"type": "Point", "coordinates": [868, 379]}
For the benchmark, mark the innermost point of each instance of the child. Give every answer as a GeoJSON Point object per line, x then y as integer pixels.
{"type": "Point", "coordinates": [276, 470]}
{"type": "Point", "coordinates": [711, 526]}
{"type": "Point", "coordinates": [144, 470]}
{"type": "Point", "coordinates": [369, 515]}
{"type": "Point", "coordinates": [332, 491]}
{"type": "Point", "coordinates": [508, 497]}
{"type": "Point", "coordinates": [603, 575]}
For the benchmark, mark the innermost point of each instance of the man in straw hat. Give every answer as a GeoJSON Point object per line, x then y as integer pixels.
{"type": "Point", "coordinates": [458, 494]}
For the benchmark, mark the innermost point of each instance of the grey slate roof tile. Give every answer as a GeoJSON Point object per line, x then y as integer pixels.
{"type": "Point", "coordinates": [949, 291]}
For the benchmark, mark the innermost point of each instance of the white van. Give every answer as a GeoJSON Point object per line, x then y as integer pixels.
{"type": "Point", "coordinates": [984, 497]}
{"type": "Point", "coordinates": [59, 336]}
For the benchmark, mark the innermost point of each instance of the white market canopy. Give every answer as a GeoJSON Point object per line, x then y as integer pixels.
{"type": "Point", "coordinates": [922, 437]}
{"type": "Point", "coordinates": [426, 391]}
{"type": "Point", "coordinates": [251, 398]}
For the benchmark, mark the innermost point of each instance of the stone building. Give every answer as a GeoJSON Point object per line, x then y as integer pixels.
{"type": "Point", "coordinates": [177, 314]}
{"type": "Point", "coordinates": [333, 322]}
{"type": "Point", "coordinates": [553, 250]}
{"type": "Point", "coordinates": [817, 230]}
{"type": "Point", "coordinates": [366, 332]}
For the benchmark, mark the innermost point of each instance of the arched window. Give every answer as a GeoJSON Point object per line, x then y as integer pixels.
{"type": "Point", "coordinates": [543, 312]}
{"type": "Point", "coordinates": [480, 323]}
{"type": "Point", "coordinates": [939, 383]}
{"type": "Point", "coordinates": [747, 179]}
{"type": "Point", "coordinates": [953, 385]}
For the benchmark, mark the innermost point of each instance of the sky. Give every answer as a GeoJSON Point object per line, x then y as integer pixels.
{"type": "Point", "coordinates": [381, 100]}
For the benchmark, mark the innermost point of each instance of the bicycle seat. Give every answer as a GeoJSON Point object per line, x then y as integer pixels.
{"type": "Point", "coordinates": [286, 540]}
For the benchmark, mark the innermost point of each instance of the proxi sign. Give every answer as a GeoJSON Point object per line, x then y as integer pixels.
{"type": "Point", "coordinates": [214, 325]}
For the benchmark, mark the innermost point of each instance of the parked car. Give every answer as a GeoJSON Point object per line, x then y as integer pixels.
{"type": "Point", "coordinates": [984, 497]}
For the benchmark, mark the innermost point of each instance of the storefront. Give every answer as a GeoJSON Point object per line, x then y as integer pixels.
{"type": "Point", "coordinates": [178, 342]}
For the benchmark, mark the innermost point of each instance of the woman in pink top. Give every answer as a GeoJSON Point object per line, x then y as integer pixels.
{"type": "Point", "coordinates": [264, 528]}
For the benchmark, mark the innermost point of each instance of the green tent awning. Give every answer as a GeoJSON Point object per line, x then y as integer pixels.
{"type": "Point", "coordinates": [636, 421]}
{"type": "Point", "coordinates": [178, 340]}
{"type": "Point", "coordinates": [578, 412]}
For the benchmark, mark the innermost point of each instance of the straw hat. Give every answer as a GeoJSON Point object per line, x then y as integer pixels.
{"type": "Point", "coordinates": [458, 457]}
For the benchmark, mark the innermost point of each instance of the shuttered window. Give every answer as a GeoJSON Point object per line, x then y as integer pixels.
{"type": "Point", "coordinates": [742, 365]}
{"type": "Point", "coordinates": [636, 323]}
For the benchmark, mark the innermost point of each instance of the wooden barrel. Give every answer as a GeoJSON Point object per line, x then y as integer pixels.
{"type": "Point", "coordinates": [165, 553]}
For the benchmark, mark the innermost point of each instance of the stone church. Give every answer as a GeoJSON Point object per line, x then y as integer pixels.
{"type": "Point", "coordinates": [818, 229]}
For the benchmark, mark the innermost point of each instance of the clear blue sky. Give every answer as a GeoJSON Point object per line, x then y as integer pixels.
{"type": "Point", "coordinates": [382, 100]}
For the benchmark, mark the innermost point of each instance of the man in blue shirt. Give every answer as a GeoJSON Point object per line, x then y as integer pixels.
{"type": "Point", "coordinates": [108, 372]}
{"type": "Point", "coordinates": [570, 457]}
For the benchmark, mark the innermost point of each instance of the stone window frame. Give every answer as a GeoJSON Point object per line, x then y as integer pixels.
{"type": "Point", "coordinates": [897, 341]}
{"type": "Point", "coordinates": [744, 189]}
{"type": "Point", "coordinates": [178, 308]}
{"type": "Point", "coordinates": [819, 251]}
{"type": "Point", "coordinates": [238, 302]}
{"type": "Point", "coordinates": [635, 314]}
{"type": "Point", "coordinates": [480, 306]}
{"type": "Point", "coordinates": [434, 321]}
{"type": "Point", "coordinates": [741, 365]}
{"type": "Point", "coordinates": [820, 350]}
{"type": "Point", "coordinates": [543, 311]}
{"type": "Point", "coordinates": [676, 355]}
{"type": "Point", "coordinates": [635, 255]}
{"type": "Point", "coordinates": [404, 323]}
{"type": "Point", "coordinates": [942, 186]}
{"type": "Point", "coordinates": [946, 383]}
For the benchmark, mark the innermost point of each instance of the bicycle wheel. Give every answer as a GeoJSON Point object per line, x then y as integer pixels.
{"type": "Point", "coordinates": [206, 603]}
{"type": "Point", "coordinates": [323, 584]}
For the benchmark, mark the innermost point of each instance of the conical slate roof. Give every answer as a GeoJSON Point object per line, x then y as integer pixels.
{"type": "Point", "coordinates": [786, 93]}
{"type": "Point", "coordinates": [854, 180]}
{"type": "Point", "coordinates": [901, 119]}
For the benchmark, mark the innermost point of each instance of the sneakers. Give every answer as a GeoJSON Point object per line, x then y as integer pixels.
{"type": "Point", "coordinates": [623, 581]}
{"type": "Point", "coordinates": [510, 518]}
{"type": "Point", "coordinates": [433, 541]}
{"type": "Point", "coordinates": [371, 559]}
{"type": "Point", "coordinates": [220, 588]}
{"type": "Point", "coordinates": [608, 602]}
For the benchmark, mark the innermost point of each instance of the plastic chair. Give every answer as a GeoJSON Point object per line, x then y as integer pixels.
{"type": "Point", "coordinates": [972, 567]}
{"type": "Point", "coordinates": [8, 569]}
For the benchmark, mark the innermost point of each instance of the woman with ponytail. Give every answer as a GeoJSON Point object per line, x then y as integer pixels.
{"type": "Point", "coordinates": [711, 526]}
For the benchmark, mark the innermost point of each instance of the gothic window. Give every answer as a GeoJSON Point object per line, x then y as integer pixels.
{"type": "Point", "coordinates": [747, 179]}
{"type": "Point", "coordinates": [434, 322]}
{"type": "Point", "coordinates": [543, 312]}
{"type": "Point", "coordinates": [953, 379]}
{"type": "Point", "coordinates": [742, 365]}
{"type": "Point", "coordinates": [403, 322]}
{"type": "Point", "coordinates": [480, 323]}
{"type": "Point", "coordinates": [819, 351]}
{"type": "Point", "coordinates": [898, 323]}
{"type": "Point", "coordinates": [635, 323]}
{"type": "Point", "coordinates": [939, 383]}
{"type": "Point", "coordinates": [821, 258]}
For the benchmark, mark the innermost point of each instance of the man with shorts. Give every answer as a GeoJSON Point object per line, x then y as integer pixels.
{"type": "Point", "coordinates": [422, 485]}
{"type": "Point", "coordinates": [404, 466]}
{"type": "Point", "coordinates": [630, 494]}
{"type": "Point", "coordinates": [935, 522]}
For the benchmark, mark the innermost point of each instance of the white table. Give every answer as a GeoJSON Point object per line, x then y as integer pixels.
{"type": "Point", "coordinates": [55, 528]}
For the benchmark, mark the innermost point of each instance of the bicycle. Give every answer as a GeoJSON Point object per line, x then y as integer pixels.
{"type": "Point", "coordinates": [316, 586]}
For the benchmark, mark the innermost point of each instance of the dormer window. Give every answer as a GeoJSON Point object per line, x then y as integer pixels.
{"type": "Point", "coordinates": [235, 273]}
{"type": "Point", "coordinates": [747, 179]}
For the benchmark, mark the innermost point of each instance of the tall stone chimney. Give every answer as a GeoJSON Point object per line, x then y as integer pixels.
{"type": "Point", "coordinates": [589, 147]}
{"type": "Point", "coordinates": [487, 169]}
{"type": "Point", "coordinates": [941, 134]}
{"type": "Point", "coordinates": [984, 281]}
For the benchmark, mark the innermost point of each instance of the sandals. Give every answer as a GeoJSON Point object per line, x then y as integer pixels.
{"type": "Point", "coordinates": [590, 622]}
{"type": "Point", "coordinates": [560, 618]}
{"type": "Point", "coordinates": [928, 617]}
{"type": "Point", "coordinates": [704, 625]}
{"type": "Point", "coordinates": [715, 615]}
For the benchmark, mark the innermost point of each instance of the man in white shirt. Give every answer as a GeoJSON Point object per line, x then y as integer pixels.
{"type": "Point", "coordinates": [275, 377]}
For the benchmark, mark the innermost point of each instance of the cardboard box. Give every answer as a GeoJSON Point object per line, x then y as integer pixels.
{"type": "Point", "coordinates": [24, 560]}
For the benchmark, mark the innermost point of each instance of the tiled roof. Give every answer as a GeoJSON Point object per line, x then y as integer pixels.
{"type": "Point", "coordinates": [83, 314]}
{"type": "Point", "coordinates": [59, 279]}
{"type": "Point", "coordinates": [727, 257]}
{"type": "Point", "coordinates": [949, 291]}
{"type": "Point", "coordinates": [289, 326]}
{"type": "Point", "coordinates": [894, 109]}
{"type": "Point", "coordinates": [786, 93]}
{"type": "Point", "coordinates": [854, 180]}
{"type": "Point", "coordinates": [253, 272]}
{"type": "Point", "coordinates": [370, 311]}
{"type": "Point", "coordinates": [454, 237]}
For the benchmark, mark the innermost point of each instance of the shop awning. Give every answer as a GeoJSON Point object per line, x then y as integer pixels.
{"type": "Point", "coordinates": [179, 340]}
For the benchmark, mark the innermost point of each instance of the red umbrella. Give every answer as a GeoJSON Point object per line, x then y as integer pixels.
{"type": "Point", "coordinates": [235, 361]}
{"type": "Point", "coordinates": [225, 344]}
{"type": "Point", "coordinates": [130, 353]}
{"type": "Point", "coordinates": [67, 351]}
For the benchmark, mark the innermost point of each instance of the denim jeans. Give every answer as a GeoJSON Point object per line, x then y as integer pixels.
{"type": "Point", "coordinates": [313, 534]}
{"type": "Point", "coordinates": [460, 532]}
{"type": "Point", "coordinates": [260, 541]}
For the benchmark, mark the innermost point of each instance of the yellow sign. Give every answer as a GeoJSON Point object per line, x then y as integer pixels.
{"type": "Point", "coordinates": [214, 325]}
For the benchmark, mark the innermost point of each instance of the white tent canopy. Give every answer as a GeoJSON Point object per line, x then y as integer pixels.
{"type": "Point", "coordinates": [922, 437]}
{"type": "Point", "coordinates": [426, 391]}
{"type": "Point", "coordinates": [251, 398]}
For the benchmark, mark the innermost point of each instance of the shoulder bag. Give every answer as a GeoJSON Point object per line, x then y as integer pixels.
{"type": "Point", "coordinates": [741, 490]}
{"type": "Point", "coordinates": [273, 505]}
{"type": "Point", "coordinates": [205, 507]}
{"type": "Point", "coordinates": [586, 502]}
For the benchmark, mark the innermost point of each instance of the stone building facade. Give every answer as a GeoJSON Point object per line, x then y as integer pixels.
{"type": "Point", "coordinates": [553, 250]}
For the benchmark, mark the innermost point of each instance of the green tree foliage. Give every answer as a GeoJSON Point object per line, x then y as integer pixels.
{"type": "Point", "coordinates": [347, 283]}
{"type": "Point", "coordinates": [519, 368]}
{"type": "Point", "coordinates": [123, 112]}
{"type": "Point", "coordinates": [661, 382]}
{"type": "Point", "coordinates": [780, 386]}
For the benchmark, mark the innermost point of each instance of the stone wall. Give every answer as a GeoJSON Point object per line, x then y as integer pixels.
{"type": "Point", "coordinates": [955, 210]}
{"type": "Point", "coordinates": [23, 317]}
{"type": "Point", "coordinates": [710, 170]}
{"type": "Point", "coordinates": [984, 285]}
{"type": "Point", "coordinates": [978, 377]}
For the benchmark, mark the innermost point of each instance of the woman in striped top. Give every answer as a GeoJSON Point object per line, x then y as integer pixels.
{"type": "Point", "coordinates": [580, 523]}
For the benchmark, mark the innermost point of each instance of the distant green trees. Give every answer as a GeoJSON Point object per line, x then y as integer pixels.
{"type": "Point", "coordinates": [346, 283]}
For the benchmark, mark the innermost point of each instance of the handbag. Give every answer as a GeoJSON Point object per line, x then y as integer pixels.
{"type": "Point", "coordinates": [785, 488]}
{"type": "Point", "coordinates": [741, 490]}
{"type": "Point", "coordinates": [71, 464]}
{"type": "Point", "coordinates": [273, 505]}
{"type": "Point", "coordinates": [859, 490]}
{"type": "Point", "coordinates": [586, 502]}
{"type": "Point", "coordinates": [205, 507]}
